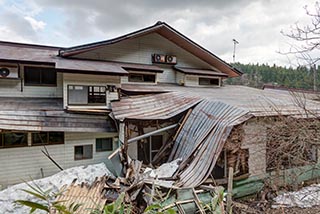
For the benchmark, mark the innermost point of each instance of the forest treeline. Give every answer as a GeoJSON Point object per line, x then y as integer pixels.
{"type": "Point", "coordinates": [256, 75]}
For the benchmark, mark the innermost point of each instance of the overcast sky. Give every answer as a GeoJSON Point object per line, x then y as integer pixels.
{"type": "Point", "coordinates": [256, 24]}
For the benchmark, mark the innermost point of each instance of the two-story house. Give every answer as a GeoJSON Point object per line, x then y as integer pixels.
{"type": "Point", "coordinates": [55, 102]}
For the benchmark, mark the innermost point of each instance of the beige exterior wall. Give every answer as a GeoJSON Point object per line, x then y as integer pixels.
{"type": "Point", "coordinates": [20, 164]}
{"type": "Point", "coordinates": [255, 141]}
{"type": "Point", "coordinates": [92, 80]}
{"type": "Point", "coordinates": [12, 88]}
{"type": "Point", "coordinates": [139, 50]}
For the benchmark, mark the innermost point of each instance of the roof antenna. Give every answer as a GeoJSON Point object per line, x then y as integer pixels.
{"type": "Point", "coordinates": [235, 42]}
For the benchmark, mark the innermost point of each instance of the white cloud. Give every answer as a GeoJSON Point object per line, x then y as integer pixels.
{"type": "Point", "coordinates": [35, 24]}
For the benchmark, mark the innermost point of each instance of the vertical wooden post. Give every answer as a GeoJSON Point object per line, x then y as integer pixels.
{"type": "Point", "coordinates": [230, 186]}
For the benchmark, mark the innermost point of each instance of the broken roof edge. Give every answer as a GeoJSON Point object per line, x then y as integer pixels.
{"type": "Point", "coordinates": [153, 28]}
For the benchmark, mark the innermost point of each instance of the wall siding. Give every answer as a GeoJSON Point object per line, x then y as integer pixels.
{"type": "Point", "coordinates": [139, 50]}
{"type": "Point", "coordinates": [87, 79]}
{"type": "Point", "coordinates": [12, 88]}
{"type": "Point", "coordinates": [18, 164]}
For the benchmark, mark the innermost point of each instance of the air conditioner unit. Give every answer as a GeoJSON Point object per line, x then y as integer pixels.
{"type": "Point", "coordinates": [171, 59]}
{"type": "Point", "coordinates": [158, 58]}
{"type": "Point", "coordinates": [8, 72]}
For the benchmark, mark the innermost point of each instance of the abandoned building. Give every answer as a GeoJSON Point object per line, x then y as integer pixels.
{"type": "Point", "coordinates": [153, 95]}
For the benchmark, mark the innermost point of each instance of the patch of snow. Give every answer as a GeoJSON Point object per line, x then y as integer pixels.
{"type": "Point", "coordinates": [306, 197]}
{"type": "Point", "coordinates": [55, 182]}
{"type": "Point", "coordinates": [166, 170]}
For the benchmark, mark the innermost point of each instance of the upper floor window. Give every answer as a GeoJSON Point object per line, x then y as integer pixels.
{"type": "Point", "coordinates": [86, 95]}
{"type": "Point", "coordinates": [209, 81]}
{"type": "Point", "coordinates": [13, 139]}
{"type": "Point", "coordinates": [45, 138]}
{"type": "Point", "coordinates": [135, 77]}
{"type": "Point", "coordinates": [40, 76]}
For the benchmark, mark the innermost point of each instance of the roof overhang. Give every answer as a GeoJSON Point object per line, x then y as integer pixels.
{"type": "Point", "coordinates": [200, 72]}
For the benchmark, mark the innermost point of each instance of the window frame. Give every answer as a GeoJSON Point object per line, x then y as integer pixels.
{"type": "Point", "coordinates": [25, 70]}
{"type": "Point", "coordinates": [142, 77]}
{"type": "Point", "coordinates": [83, 158]}
{"type": "Point", "coordinates": [88, 103]}
{"type": "Point", "coordinates": [2, 141]}
{"type": "Point", "coordinates": [209, 78]}
{"type": "Point", "coordinates": [104, 150]}
{"type": "Point", "coordinates": [48, 137]}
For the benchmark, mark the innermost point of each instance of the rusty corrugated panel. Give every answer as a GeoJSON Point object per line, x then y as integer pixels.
{"type": "Point", "coordinates": [202, 138]}
{"type": "Point", "coordinates": [47, 114]}
{"type": "Point", "coordinates": [153, 107]}
{"type": "Point", "coordinates": [90, 198]}
{"type": "Point", "coordinates": [205, 72]}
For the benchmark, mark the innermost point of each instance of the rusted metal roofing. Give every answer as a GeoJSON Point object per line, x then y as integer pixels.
{"type": "Point", "coordinates": [258, 102]}
{"type": "Point", "coordinates": [90, 198]}
{"type": "Point", "coordinates": [205, 72]}
{"type": "Point", "coordinates": [47, 114]}
{"type": "Point", "coordinates": [169, 33]}
{"type": "Point", "coordinates": [153, 107]}
{"type": "Point", "coordinates": [202, 138]}
{"type": "Point", "coordinates": [141, 67]}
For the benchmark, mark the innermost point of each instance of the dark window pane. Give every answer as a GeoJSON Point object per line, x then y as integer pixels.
{"type": "Point", "coordinates": [48, 76]}
{"type": "Point", "coordinates": [32, 76]}
{"type": "Point", "coordinates": [40, 76]}
{"type": "Point", "coordinates": [104, 144]}
{"type": "Point", "coordinates": [39, 138]}
{"type": "Point", "coordinates": [1, 140]}
{"type": "Point", "coordinates": [156, 142]}
{"type": "Point", "coordinates": [208, 81]}
{"type": "Point", "coordinates": [14, 139]}
{"type": "Point", "coordinates": [149, 78]}
{"type": "Point", "coordinates": [83, 152]}
{"type": "Point", "coordinates": [135, 78]}
{"type": "Point", "coordinates": [78, 152]}
{"type": "Point", "coordinates": [142, 78]}
{"type": "Point", "coordinates": [56, 137]}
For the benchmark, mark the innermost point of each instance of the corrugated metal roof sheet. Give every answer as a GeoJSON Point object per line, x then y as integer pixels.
{"type": "Point", "coordinates": [204, 72]}
{"type": "Point", "coordinates": [202, 138]}
{"type": "Point", "coordinates": [45, 114]}
{"type": "Point", "coordinates": [90, 198]}
{"type": "Point", "coordinates": [256, 101]}
{"type": "Point", "coordinates": [153, 107]}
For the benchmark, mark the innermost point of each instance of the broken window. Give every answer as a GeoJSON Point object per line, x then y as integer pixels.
{"type": "Point", "coordinates": [13, 139]}
{"type": "Point", "coordinates": [40, 76]}
{"type": "Point", "coordinates": [104, 144]}
{"type": "Point", "coordinates": [149, 148]}
{"type": "Point", "coordinates": [209, 81]}
{"type": "Point", "coordinates": [83, 152]}
{"type": "Point", "coordinates": [45, 138]}
{"type": "Point", "coordinates": [135, 77]}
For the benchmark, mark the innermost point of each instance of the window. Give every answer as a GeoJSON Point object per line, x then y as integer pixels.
{"type": "Point", "coordinates": [104, 144]}
{"type": "Point", "coordinates": [150, 78]}
{"type": "Point", "coordinates": [38, 76]}
{"type": "Point", "coordinates": [13, 139]}
{"type": "Point", "coordinates": [45, 138]}
{"type": "Point", "coordinates": [84, 95]}
{"type": "Point", "coordinates": [97, 94]}
{"type": "Point", "coordinates": [209, 81]}
{"type": "Point", "coordinates": [83, 152]}
{"type": "Point", "coordinates": [148, 149]}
